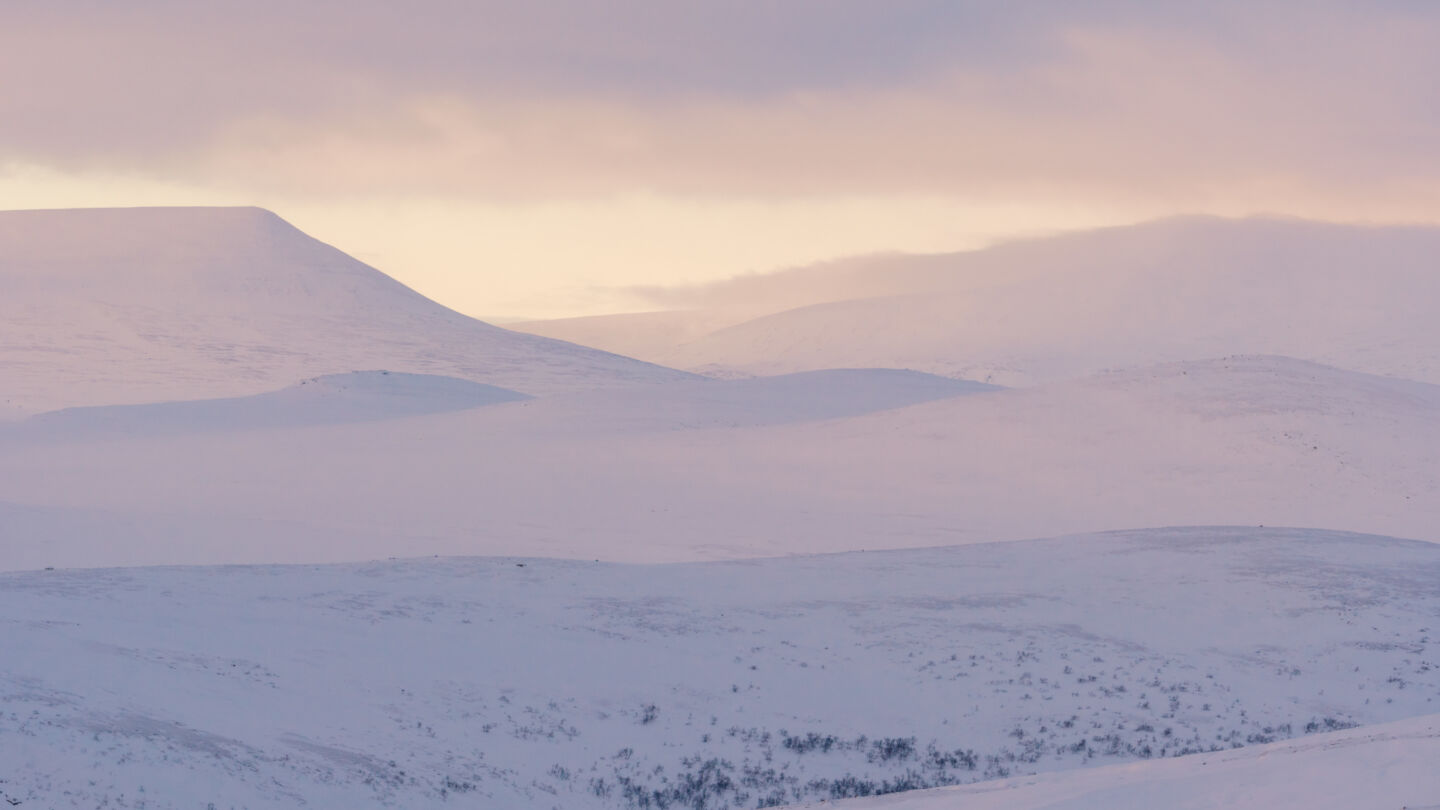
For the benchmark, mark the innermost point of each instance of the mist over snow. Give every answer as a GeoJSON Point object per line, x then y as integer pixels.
{"type": "Point", "coordinates": [647, 405]}
{"type": "Point", "coordinates": [834, 461]}
{"type": "Point", "coordinates": [1046, 309]}
{"type": "Point", "coordinates": [277, 531]}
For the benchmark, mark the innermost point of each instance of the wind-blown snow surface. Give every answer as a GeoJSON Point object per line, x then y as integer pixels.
{"type": "Point", "coordinates": [1391, 765]}
{"type": "Point", "coordinates": [1049, 309]}
{"type": "Point", "coordinates": [128, 306]}
{"type": "Point", "coordinates": [512, 682]}
{"type": "Point", "coordinates": [696, 471]}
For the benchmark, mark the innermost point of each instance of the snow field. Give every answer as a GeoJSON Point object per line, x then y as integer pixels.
{"type": "Point", "coordinates": [523, 682]}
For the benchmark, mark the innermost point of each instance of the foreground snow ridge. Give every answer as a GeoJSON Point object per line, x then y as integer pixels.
{"type": "Point", "coordinates": [1392, 765]}
{"type": "Point", "coordinates": [563, 684]}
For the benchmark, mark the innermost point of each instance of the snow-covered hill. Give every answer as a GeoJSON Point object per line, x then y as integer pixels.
{"type": "Point", "coordinates": [715, 469]}
{"type": "Point", "coordinates": [1047, 309]}
{"type": "Point", "coordinates": [542, 683]}
{"type": "Point", "coordinates": [1390, 765]}
{"type": "Point", "coordinates": [128, 306]}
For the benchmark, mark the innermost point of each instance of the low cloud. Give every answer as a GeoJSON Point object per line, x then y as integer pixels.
{"type": "Point", "coordinates": [563, 157]}
{"type": "Point", "coordinates": [1272, 102]}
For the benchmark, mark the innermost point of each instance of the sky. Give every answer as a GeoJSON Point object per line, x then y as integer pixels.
{"type": "Point", "coordinates": [546, 158]}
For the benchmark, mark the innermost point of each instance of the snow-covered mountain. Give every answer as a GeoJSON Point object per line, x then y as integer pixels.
{"type": "Point", "coordinates": [128, 306]}
{"type": "Point", "coordinates": [1047, 309]}
{"type": "Point", "coordinates": [571, 684]}
{"type": "Point", "coordinates": [717, 469]}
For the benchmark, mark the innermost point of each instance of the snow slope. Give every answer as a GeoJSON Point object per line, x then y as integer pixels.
{"type": "Point", "coordinates": [127, 306]}
{"type": "Point", "coordinates": [690, 472]}
{"type": "Point", "coordinates": [1391, 765]}
{"type": "Point", "coordinates": [541, 683]}
{"type": "Point", "coordinates": [1048, 309]}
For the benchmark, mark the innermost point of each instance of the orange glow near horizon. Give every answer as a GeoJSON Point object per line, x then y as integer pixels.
{"type": "Point", "coordinates": [649, 147]}
{"type": "Point", "coordinates": [536, 260]}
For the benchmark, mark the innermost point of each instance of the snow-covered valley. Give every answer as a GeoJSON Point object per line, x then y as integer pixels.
{"type": "Point", "coordinates": [509, 682]}
{"type": "Point", "coordinates": [1058, 307]}
{"type": "Point", "coordinates": [726, 469]}
{"type": "Point", "coordinates": [277, 531]}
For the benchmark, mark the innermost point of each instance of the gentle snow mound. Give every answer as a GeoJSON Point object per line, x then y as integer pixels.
{"type": "Point", "coordinates": [358, 396]}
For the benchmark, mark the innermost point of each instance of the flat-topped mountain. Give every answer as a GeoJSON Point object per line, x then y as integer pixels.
{"type": "Point", "coordinates": [113, 306]}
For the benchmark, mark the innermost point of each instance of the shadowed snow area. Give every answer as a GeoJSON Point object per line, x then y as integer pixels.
{"type": "Point", "coordinates": [568, 684]}
{"type": "Point", "coordinates": [1048, 309]}
{"type": "Point", "coordinates": [645, 476]}
{"type": "Point", "coordinates": [359, 396]}
{"type": "Point", "coordinates": [829, 393]}
{"type": "Point", "coordinates": [127, 306]}
{"type": "Point", "coordinates": [703, 403]}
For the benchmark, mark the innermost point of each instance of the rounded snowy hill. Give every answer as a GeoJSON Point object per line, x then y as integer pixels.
{"type": "Point", "coordinates": [113, 306]}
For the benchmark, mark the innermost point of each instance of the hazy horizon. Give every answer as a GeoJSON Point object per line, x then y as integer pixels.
{"type": "Point", "coordinates": [539, 161]}
{"type": "Point", "coordinates": [990, 404]}
{"type": "Point", "coordinates": [726, 292]}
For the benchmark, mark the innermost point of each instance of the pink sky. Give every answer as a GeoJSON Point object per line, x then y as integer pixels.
{"type": "Point", "coordinates": [533, 159]}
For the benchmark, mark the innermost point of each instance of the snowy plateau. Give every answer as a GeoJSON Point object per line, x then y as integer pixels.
{"type": "Point", "coordinates": [1147, 517]}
